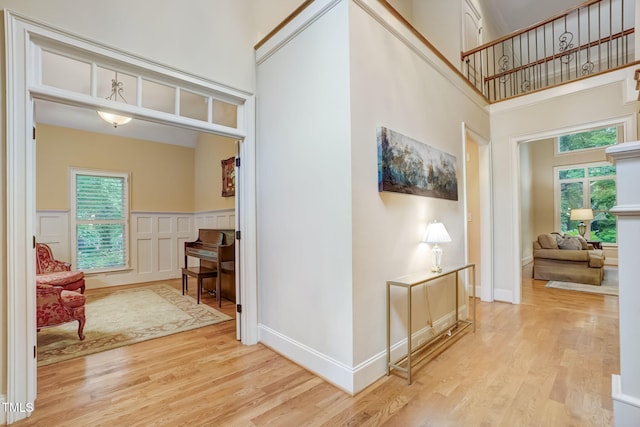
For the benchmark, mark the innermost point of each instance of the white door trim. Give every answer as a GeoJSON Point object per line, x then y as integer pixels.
{"type": "Point", "coordinates": [486, 216]}
{"type": "Point", "coordinates": [24, 37]}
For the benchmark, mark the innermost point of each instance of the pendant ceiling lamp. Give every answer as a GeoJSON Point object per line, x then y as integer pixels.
{"type": "Point", "coordinates": [116, 92]}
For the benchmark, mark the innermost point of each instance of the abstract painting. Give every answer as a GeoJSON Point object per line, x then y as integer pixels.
{"type": "Point", "coordinates": [411, 167]}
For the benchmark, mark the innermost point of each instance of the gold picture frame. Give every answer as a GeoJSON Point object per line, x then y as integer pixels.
{"type": "Point", "coordinates": [229, 177]}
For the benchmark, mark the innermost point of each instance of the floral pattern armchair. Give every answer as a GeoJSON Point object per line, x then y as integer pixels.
{"type": "Point", "coordinates": [50, 271]}
{"type": "Point", "coordinates": [55, 306]}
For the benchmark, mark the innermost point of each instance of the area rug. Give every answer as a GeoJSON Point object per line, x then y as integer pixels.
{"type": "Point", "coordinates": [609, 284]}
{"type": "Point", "coordinates": [124, 317]}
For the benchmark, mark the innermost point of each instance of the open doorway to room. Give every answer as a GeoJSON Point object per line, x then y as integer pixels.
{"type": "Point", "coordinates": [564, 175]}
{"type": "Point", "coordinates": [30, 42]}
{"type": "Point", "coordinates": [174, 187]}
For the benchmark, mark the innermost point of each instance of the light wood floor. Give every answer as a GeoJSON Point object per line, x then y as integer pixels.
{"type": "Point", "coordinates": [546, 362]}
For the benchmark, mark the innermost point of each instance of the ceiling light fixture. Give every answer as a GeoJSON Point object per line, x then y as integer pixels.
{"type": "Point", "coordinates": [116, 91]}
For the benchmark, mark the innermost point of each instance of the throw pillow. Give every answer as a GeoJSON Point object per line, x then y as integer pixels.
{"type": "Point", "coordinates": [569, 242]}
{"type": "Point", "coordinates": [583, 242]}
{"type": "Point", "coordinates": [547, 241]}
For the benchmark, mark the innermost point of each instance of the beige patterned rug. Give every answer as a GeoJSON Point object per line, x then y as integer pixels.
{"type": "Point", "coordinates": [124, 317]}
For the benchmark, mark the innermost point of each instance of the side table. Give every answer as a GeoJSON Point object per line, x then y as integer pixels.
{"type": "Point", "coordinates": [596, 244]}
{"type": "Point", "coordinates": [422, 279]}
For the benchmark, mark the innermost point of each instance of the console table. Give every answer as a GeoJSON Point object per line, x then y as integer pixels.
{"type": "Point", "coordinates": [407, 362]}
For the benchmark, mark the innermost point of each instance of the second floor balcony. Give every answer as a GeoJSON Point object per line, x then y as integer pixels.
{"type": "Point", "coordinates": [593, 38]}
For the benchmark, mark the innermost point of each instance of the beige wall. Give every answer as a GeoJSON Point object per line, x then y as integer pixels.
{"type": "Point", "coordinates": [473, 204]}
{"type": "Point", "coordinates": [569, 107]}
{"type": "Point", "coordinates": [210, 151]}
{"type": "Point", "coordinates": [162, 175]}
{"type": "Point", "coordinates": [543, 160]}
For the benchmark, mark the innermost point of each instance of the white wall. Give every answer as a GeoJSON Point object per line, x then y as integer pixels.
{"type": "Point", "coordinates": [304, 198]}
{"type": "Point", "coordinates": [330, 254]}
{"type": "Point", "coordinates": [542, 115]}
{"type": "Point", "coordinates": [210, 38]}
{"type": "Point", "coordinates": [423, 104]}
{"type": "Point", "coordinates": [269, 14]}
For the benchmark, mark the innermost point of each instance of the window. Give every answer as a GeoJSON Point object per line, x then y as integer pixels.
{"type": "Point", "coordinates": [100, 220]}
{"type": "Point", "coordinates": [595, 138]}
{"type": "Point", "coordinates": [583, 186]}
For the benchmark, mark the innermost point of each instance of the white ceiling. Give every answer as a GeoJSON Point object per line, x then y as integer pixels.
{"type": "Point", "coordinates": [84, 119]}
{"type": "Point", "coordinates": [513, 15]}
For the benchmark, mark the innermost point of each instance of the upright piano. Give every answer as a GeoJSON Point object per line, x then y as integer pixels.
{"type": "Point", "coordinates": [213, 247]}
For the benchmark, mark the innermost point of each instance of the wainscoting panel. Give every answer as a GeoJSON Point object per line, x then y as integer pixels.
{"type": "Point", "coordinates": [143, 264]}
{"type": "Point", "coordinates": [156, 242]}
{"type": "Point", "coordinates": [52, 228]}
{"type": "Point", "coordinates": [166, 255]}
{"type": "Point", "coordinates": [165, 224]}
{"type": "Point", "coordinates": [224, 219]}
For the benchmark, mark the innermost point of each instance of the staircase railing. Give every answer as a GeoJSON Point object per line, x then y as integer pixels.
{"type": "Point", "coordinates": [592, 38]}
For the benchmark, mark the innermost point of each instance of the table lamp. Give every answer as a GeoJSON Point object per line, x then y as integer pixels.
{"type": "Point", "coordinates": [581, 215]}
{"type": "Point", "coordinates": [436, 233]}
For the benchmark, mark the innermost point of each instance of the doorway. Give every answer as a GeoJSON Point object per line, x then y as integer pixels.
{"type": "Point", "coordinates": [478, 206]}
{"type": "Point", "coordinates": [28, 41]}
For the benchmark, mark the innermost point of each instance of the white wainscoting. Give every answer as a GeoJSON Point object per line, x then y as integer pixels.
{"type": "Point", "coordinates": [156, 242]}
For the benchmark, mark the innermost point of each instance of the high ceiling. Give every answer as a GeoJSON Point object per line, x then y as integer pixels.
{"type": "Point", "coordinates": [513, 15]}
{"type": "Point", "coordinates": [507, 15]}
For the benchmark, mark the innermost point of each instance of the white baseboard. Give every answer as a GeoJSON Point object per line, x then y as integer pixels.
{"type": "Point", "coordinates": [611, 261]}
{"type": "Point", "coordinates": [350, 379]}
{"type": "Point", "coordinates": [626, 409]}
{"type": "Point", "coordinates": [502, 295]}
{"type": "Point", "coordinates": [324, 366]}
{"type": "Point", "coordinates": [11, 412]}
{"type": "Point", "coordinates": [527, 260]}
{"type": "Point", "coordinates": [3, 413]}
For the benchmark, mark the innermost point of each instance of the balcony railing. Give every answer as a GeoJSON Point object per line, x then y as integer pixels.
{"type": "Point", "coordinates": [592, 38]}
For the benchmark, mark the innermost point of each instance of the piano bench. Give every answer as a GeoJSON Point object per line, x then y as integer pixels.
{"type": "Point", "coordinates": [200, 273]}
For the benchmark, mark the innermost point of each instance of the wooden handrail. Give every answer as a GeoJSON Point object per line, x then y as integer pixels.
{"type": "Point", "coordinates": [527, 29]}
{"type": "Point", "coordinates": [561, 54]}
{"type": "Point", "coordinates": [281, 25]}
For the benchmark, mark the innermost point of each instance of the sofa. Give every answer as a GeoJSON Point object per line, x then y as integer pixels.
{"type": "Point", "coordinates": [567, 259]}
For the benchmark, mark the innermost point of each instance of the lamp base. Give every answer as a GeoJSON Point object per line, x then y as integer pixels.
{"type": "Point", "coordinates": [437, 258]}
{"type": "Point", "coordinates": [582, 228]}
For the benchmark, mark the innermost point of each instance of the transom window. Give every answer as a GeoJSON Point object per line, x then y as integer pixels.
{"type": "Point", "coordinates": [100, 220]}
{"type": "Point", "coordinates": [587, 186]}
{"type": "Point", "coordinates": [587, 140]}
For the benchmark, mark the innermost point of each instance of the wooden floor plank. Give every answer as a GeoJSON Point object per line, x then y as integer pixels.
{"type": "Point", "coordinates": [547, 361]}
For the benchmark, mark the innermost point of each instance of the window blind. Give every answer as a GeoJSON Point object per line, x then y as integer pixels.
{"type": "Point", "coordinates": [101, 212]}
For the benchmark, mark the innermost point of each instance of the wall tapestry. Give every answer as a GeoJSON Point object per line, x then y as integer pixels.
{"type": "Point", "coordinates": [229, 177]}
{"type": "Point", "coordinates": [408, 166]}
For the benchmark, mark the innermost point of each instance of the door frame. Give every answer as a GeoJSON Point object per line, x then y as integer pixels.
{"type": "Point", "coordinates": [24, 38]}
{"type": "Point", "coordinates": [485, 282]}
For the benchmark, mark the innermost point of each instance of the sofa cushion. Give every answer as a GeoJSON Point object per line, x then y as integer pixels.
{"type": "Point", "coordinates": [60, 278]}
{"type": "Point", "coordinates": [570, 242]}
{"type": "Point", "coordinates": [596, 258]}
{"type": "Point", "coordinates": [548, 241]}
{"type": "Point", "coordinates": [562, 255]}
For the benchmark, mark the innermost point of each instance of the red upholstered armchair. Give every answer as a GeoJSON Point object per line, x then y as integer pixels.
{"type": "Point", "coordinates": [50, 271]}
{"type": "Point", "coordinates": [55, 306]}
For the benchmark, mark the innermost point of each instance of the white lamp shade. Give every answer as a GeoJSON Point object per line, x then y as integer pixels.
{"type": "Point", "coordinates": [581, 214]}
{"type": "Point", "coordinates": [436, 233]}
{"type": "Point", "coordinates": [114, 119]}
